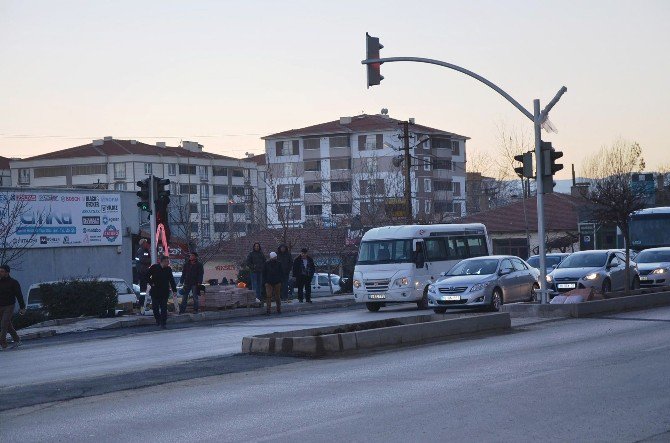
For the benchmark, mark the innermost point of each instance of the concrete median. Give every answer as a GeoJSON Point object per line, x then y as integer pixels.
{"type": "Point", "coordinates": [385, 333]}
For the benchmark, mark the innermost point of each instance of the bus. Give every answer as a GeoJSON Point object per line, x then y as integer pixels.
{"type": "Point", "coordinates": [397, 263]}
{"type": "Point", "coordinates": [649, 228]}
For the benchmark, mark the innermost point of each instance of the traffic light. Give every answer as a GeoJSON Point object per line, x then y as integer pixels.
{"type": "Point", "coordinates": [549, 166]}
{"type": "Point", "coordinates": [526, 168]}
{"type": "Point", "coordinates": [144, 194]}
{"type": "Point", "coordinates": [162, 200]}
{"type": "Point", "coordinates": [372, 47]}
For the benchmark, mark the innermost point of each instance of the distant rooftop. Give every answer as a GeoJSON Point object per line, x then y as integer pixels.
{"type": "Point", "coordinates": [4, 162]}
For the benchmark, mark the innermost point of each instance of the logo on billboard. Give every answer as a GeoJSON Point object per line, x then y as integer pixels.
{"type": "Point", "coordinates": [111, 233]}
{"type": "Point", "coordinates": [92, 201]}
{"type": "Point", "coordinates": [87, 221]}
{"type": "Point", "coordinates": [110, 208]}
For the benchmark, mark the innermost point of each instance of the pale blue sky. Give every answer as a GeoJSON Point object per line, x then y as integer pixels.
{"type": "Point", "coordinates": [225, 73]}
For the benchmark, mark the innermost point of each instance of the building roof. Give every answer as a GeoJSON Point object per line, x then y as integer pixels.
{"type": "Point", "coordinates": [259, 159]}
{"type": "Point", "coordinates": [125, 147]}
{"type": "Point", "coordinates": [4, 162]}
{"type": "Point", "coordinates": [561, 213]}
{"type": "Point", "coordinates": [359, 123]}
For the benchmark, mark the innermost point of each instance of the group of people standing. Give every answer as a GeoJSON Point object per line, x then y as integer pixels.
{"type": "Point", "coordinates": [275, 272]}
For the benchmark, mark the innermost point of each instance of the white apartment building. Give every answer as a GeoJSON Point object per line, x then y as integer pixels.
{"type": "Point", "coordinates": [212, 196]}
{"type": "Point", "coordinates": [5, 176]}
{"type": "Point", "coordinates": [345, 168]}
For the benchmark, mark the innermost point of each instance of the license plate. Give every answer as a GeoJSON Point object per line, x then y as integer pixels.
{"type": "Point", "coordinates": [451, 297]}
{"type": "Point", "coordinates": [644, 278]}
{"type": "Point", "coordinates": [567, 285]}
{"type": "Point", "coordinates": [377, 296]}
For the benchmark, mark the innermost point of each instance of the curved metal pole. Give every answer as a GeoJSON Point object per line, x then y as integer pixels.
{"type": "Point", "coordinates": [455, 68]}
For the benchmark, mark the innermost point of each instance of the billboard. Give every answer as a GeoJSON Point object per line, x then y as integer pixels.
{"type": "Point", "coordinates": [60, 219]}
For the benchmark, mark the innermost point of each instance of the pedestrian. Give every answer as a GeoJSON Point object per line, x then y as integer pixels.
{"type": "Point", "coordinates": [286, 261]}
{"type": "Point", "coordinates": [161, 281]}
{"type": "Point", "coordinates": [191, 277]}
{"type": "Point", "coordinates": [143, 257]}
{"type": "Point", "coordinates": [303, 271]}
{"type": "Point", "coordinates": [273, 277]}
{"type": "Point", "coordinates": [256, 263]}
{"type": "Point", "coordinates": [10, 292]}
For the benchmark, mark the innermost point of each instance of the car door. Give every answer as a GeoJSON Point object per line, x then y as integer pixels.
{"type": "Point", "coordinates": [320, 285]}
{"type": "Point", "coordinates": [506, 281]}
{"type": "Point", "coordinates": [616, 271]}
{"type": "Point", "coordinates": [524, 278]}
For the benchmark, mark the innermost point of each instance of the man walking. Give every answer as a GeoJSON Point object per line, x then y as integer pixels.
{"type": "Point", "coordinates": [303, 271]}
{"type": "Point", "coordinates": [286, 261]}
{"type": "Point", "coordinates": [272, 274]}
{"type": "Point", "coordinates": [191, 276]}
{"type": "Point", "coordinates": [256, 263]}
{"type": "Point", "coordinates": [161, 280]}
{"type": "Point", "coordinates": [10, 292]}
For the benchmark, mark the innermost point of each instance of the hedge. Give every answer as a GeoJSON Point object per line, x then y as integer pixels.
{"type": "Point", "coordinates": [75, 298]}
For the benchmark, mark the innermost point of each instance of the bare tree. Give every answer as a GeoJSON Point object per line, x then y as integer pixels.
{"type": "Point", "coordinates": [16, 237]}
{"type": "Point", "coordinates": [611, 190]}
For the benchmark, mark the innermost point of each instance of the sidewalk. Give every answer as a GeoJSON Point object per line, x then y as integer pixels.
{"type": "Point", "coordinates": [73, 325]}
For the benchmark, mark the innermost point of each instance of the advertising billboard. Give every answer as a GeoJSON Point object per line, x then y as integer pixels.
{"type": "Point", "coordinates": [55, 219]}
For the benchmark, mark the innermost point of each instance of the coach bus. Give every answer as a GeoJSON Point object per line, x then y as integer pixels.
{"type": "Point", "coordinates": [649, 228]}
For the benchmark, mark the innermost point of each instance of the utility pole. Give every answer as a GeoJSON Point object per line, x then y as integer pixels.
{"type": "Point", "coordinates": [408, 172]}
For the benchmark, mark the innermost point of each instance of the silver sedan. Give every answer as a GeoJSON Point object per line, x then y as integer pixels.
{"type": "Point", "coordinates": [484, 282]}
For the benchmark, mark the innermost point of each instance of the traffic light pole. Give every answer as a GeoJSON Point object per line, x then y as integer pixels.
{"type": "Point", "coordinates": [152, 218]}
{"type": "Point", "coordinates": [537, 123]}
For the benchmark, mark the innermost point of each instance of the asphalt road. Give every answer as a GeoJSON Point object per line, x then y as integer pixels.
{"type": "Point", "coordinates": [597, 379]}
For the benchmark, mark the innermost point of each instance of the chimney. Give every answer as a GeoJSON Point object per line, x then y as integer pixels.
{"type": "Point", "coordinates": [345, 120]}
{"type": "Point", "coordinates": [411, 120]}
{"type": "Point", "coordinates": [98, 142]}
{"type": "Point", "coordinates": [160, 144]}
{"type": "Point", "coordinates": [192, 146]}
{"type": "Point", "coordinates": [133, 142]}
{"type": "Point", "coordinates": [108, 138]}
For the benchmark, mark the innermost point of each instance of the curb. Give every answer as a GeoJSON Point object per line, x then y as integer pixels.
{"type": "Point", "coordinates": [320, 342]}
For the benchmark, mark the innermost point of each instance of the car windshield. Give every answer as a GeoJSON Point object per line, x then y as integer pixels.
{"type": "Point", "coordinates": [475, 267]}
{"type": "Point", "coordinates": [385, 251]}
{"type": "Point", "coordinates": [653, 257]}
{"type": "Point", "coordinates": [551, 261]}
{"type": "Point", "coordinates": [588, 260]}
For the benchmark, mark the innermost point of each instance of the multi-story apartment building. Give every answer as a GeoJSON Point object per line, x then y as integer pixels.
{"type": "Point", "coordinates": [212, 195]}
{"type": "Point", "coordinates": [5, 176]}
{"type": "Point", "coordinates": [345, 168]}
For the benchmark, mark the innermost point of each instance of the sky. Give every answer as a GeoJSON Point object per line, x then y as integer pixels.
{"type": "Point", "coordinates": [225, 73]}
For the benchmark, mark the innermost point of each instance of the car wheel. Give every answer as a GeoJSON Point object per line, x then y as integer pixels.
{"type": "Point", "coordinates": [373, 307]}
{"type": "Point", "coordinates": [440, 310]}
{"type": "Point", "coordinates": [496, 300]}
{"type": "Point", "coordinates": [636, 283]}
{"type": "Point", "coordinates": [423, 303]}
{"type": "Point", "coordinates": [607, 287]}
{"type": "Point", "coordinates": [534, 291]}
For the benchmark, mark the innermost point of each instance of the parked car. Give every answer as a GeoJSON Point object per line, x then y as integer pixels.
{"type": "Point", "coordinates": [601, 269]}
{"type": "Point", "coordinates": [653, 266]}
{"type": "Point", "coordinates": [125, 292]}
{"type": "Point", "coordinates": [484, 282]}
{"type": "Point", "coordinates": [553, 260]}
{"type": "Point", "coordinates": [321, 287]}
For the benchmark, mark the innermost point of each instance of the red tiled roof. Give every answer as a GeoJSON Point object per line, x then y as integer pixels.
{"type": "Point", "coordinates": [359, 123]}
{"type": "Point", "coordinates": [561, 213]}
{"type": "Point", "coordinates": [259, 159]}
{"type": "Point", "coordinates": [124, 147]}
{"type": "Point", "coordinates": [4, 162]}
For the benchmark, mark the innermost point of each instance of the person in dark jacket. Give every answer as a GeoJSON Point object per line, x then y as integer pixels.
{"type": "Point", "coordinates": [10, 293]}
{"type": "Point", "coordinates": [303, 271]}
{"type": "Point", "coordinates": [161, 281]}
{"type": "Point", "coordinates": [191, 277]}
{"type": "Point", "coordinates": [286, 261]}
{"type": "Point", "coordinates": [256, 263]}
{"type": "Point", "coordinates": [273, 277]}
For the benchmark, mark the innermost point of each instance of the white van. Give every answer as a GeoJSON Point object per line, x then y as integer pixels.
{"type": "Point", "coordinates": [397, 263]}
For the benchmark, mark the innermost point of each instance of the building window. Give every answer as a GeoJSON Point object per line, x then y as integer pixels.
{"type": "Point", "coordinates": [442, 207]}
{"type": "Point", "coordinates": [220, 227]}
{"type": "Point", "coordinates": [188, 189]}
{"type": "Point", "coordinates": [340, 164]}
{"type": "Point", "coordinates": [238, 209]}
{"type": "Point", "coordinates": [367, 142]}
{"type": "Point", "coordinates": [312, 188]}
{"type": "Point", "coordinates": [442, 164]}
{"type": "Point", "coordinates": [238, 173]}
{"type": "Point", "coordinates": [455, 147]}
{"type": "Point", "coordinates": [220, 208]}
{"type": "Point", "coordinates": [287, 148]}
{"type": "Point", "coordinates": [55, 171]}
{"type": "Point", "coordinates": [119, 171]}
{"type": "Point", "coordinates": [313, 166]}
{"type": "Point", "coordinates": [172, 169]}
{"type": "Point", "coordinates": [340, 187]}
{"type": "Point", "coordinates": [204, 210]}
{"type": "Point", "coordinates": [194, 228]}
{"type": "Point", "coordinates": [148, 168]}
{"type": "Point", "coordinates": [220, 190]}
{"type": "Point", "coordinates": [120, 186]}
{"type": "Point", "coordinates": [440, 143]}
{"type": "Point", "coordinates": [204, 191]}
{"type": "Point", "coordinates": [192, 208]}
{"type": "Point", "coordinates": [288, 191]}
{"type": "Point", "coordinates": [187, 169]}
{"type": "Point", "coordinates": [341, 141]}
{"type": "Point", "coordinates": [206, 233]}
{"type": "Point", "coordinates": [24, 176]}
{"type": "Point", "coordinates": [313, 209]}
{"type": "Point", "coordinates": [457, 188]}
{"type": "Point", "coordinates": [426, 163]}
{"type": "Point", "coordinates": [341, 208]}
{"type": "Point", "coordinates": [238, 191]}
{"type": "Point", "coordinates": [311, 143]}
{"type": "Point", "coordinates": [203, 172]}
{"type": "Point", "coordinates": [219, 171]}
{"type": "Point", "coordinates": [174, 188]}
{"type": "Point", "coordinates": [442, 185]}
{"type": "Point", "coordinates": [98, 169]}
{"type": "Point", "coordinates": [289, 213]}
{"type": "Point", "coordinates": [458, 209]}
{"type": "Point", "coordinates": [427, 185]}
{"type": "Point", "coordinates": [426, 208]}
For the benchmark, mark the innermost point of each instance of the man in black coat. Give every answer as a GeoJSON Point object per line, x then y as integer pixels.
{"type": "Point", "coordinates": [191, 277]}
{"type": "Point", "coordinates": [286, 261]}
{"type": "Point", "coordinates": [303, 271]}
{"type": "Point", "coordinates": [273, 277]}
{"type": "Point", "coordinates": [161, 280]}
{"type": "Point", "coordinates": [10, 293]}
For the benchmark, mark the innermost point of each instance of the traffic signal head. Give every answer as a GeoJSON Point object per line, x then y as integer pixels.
{"type": "Point", "coordinates": [144, 204]}
{"type": "Point", "coordinates": [372, 47]}
{"type": "Point", "coordinates": [526, 168]}
{"type": "Point", "coordinates": [549, 157]}
{"type": "Point", "coordinates": [162, 191]}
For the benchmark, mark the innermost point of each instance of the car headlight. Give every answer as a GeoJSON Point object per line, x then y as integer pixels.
{"type": "Point", "coordinates": [357, 284]}
{"type": "Point", "coordinates": [659, 271]}
{"type": "Point", "coordinates": [591, 276]}
{"type": "Point", "coordinates": [549, 278]}
{"type": "Point", "coordinates": [432, 289]}
{"type": "Point", "coordinates": [402, 281]}
{"type": "Point", "coordinates": [479, 286]}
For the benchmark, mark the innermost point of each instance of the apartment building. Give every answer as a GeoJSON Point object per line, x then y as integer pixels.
{"type": "Point", "coordinates": [212, 195]}
{"type": "Point", "coordinates": [5, 176]}
{"type": "Point", "coordinates": [344, 168]}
